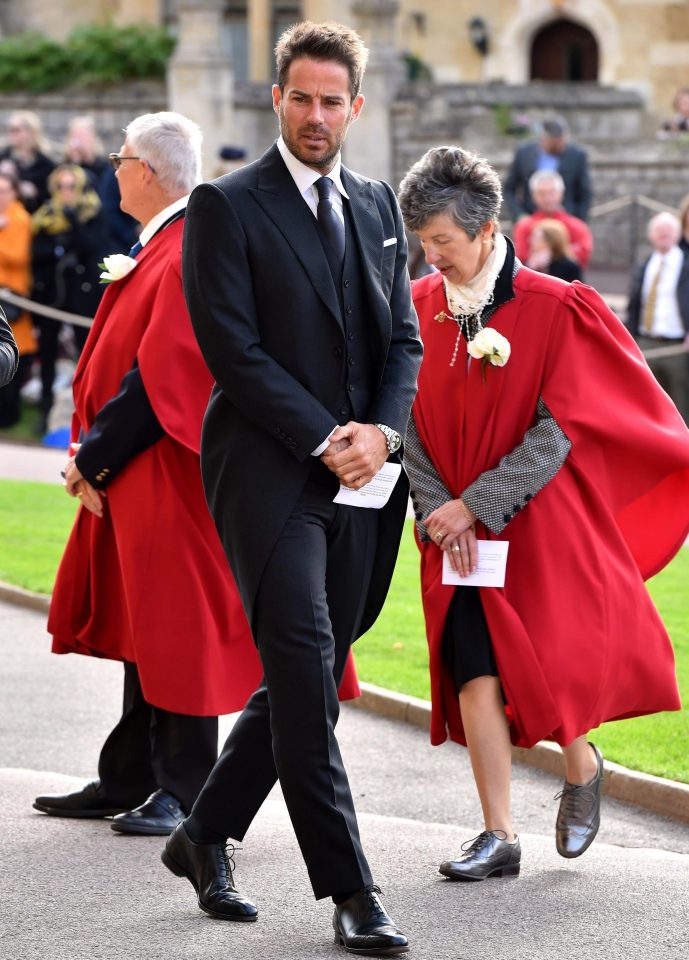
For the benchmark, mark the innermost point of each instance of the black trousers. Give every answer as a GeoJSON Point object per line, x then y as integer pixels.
{"type": "Point", "coordinates": [308, 608]}
{"type": "Point", "coordinates": [152, 748]}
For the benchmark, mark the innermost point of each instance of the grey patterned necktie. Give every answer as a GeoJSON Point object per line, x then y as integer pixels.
{"type": "Point", "coordinates": [328, 220]}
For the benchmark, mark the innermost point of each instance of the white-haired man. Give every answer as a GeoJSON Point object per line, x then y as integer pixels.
{"type": "Point", "coordinates": [144, 578]}
{"type": "Point", "coordinates": [658, 310]}
{"type": "Point", "coordinates": [547, 189]}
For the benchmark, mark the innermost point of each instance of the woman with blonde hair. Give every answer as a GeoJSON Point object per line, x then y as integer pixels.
{"type": "Point", "coordinates": [27, 157]}
{"type": "Point", "coordinates": [550, 251]}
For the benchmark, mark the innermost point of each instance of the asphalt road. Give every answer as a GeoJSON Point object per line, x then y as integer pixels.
{"type": "Point", "coordinates": [74, 890]}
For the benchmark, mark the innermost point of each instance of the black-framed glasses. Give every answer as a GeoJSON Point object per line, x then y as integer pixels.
{"type": "Point", "coordinates": [117, 158]}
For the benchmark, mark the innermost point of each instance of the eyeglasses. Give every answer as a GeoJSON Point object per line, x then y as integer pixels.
{"type": "Point", "coordinates": [116, 160]}
{"type": "Point", "coordinates": [66, 185]}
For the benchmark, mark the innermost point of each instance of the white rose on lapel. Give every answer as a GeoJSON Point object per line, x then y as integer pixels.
{"type": "Point", "coordinates": [116, 267]}
{"type": "Point", "coordinates": [489, 346]}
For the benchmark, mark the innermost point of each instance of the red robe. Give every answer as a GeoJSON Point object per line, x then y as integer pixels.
{"type": "Point", "coordinates": [576, 637]}
{"type": "Point", "coordinates": [149, 582]}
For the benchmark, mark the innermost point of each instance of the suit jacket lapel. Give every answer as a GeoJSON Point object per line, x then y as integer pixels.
{"type": "Point", "coordinates": [278, 196]}
{"type": "Point", "coordinates": [368, 229]}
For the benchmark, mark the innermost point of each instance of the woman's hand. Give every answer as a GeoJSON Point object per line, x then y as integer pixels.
{"type": "Point", "coordinates": [451, 527]}
{"type": "Point", "coordinates": [77, 486]}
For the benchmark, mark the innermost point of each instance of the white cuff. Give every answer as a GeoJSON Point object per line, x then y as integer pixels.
{"type": "Point", "coordinates": [322, 447]}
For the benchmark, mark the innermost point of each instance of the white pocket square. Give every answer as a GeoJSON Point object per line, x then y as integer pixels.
{"type": "Point", "coordinates": [389, 243]}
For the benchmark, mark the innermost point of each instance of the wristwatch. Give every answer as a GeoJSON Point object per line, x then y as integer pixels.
{"type": "Point", "coordinates": [392, 437]}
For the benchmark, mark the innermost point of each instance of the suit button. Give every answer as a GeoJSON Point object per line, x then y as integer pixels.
{"type": "Point", "coordinates": [350, 336]}
{"type": "Point", "coordinates": [338, 351]}
{"type": "Point", "coordinates": [350, 362]}
{"type": "Point", "coordinates": [343, 411]}
{"type": "Point", "coordinates": [348, 310]}
{"type": "Point", "coordinates": [527, 496]}
{"type": "Point", "coordinates": [507, 517]}
{"type": "Point", "coordinates": [346, 283]}
{"type": "Point", "coordinates": [517, 507]}
{"type": "Point", "coordinates": [350, 387]}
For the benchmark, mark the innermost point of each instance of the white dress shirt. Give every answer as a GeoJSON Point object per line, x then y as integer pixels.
{"type": "Point", "coordinates": [667, 321]}
{"type": "Point", "coordinates": [159, 219]}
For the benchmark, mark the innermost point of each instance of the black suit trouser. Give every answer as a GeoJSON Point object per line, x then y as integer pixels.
{"type": "Point", "coordinates": [308, 608]}
{"type": "Point", "coordinates": [151, 748]}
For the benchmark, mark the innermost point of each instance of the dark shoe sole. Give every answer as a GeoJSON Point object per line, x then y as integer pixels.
{"type": "Point", "coordinates": [179, 871]}
{"type": "Point", "coordinates": [141, 830]}
{"type": "Point", "coordinates": [511, 870]}
{"type": "Point", "coordinates": [79, 814]}
{"type": "Point", "coordinates": [370, 952]}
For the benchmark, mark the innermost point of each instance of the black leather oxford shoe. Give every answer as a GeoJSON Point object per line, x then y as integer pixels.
{"type": "Point", "coordinates": [208, 866]}
{"type": "Point", "coordinates": [488, 855]}
{"type": "Point", "coordinates": [578, 817]}
{"type": "Point", "coordinates": [158, 816]}
{"type": "Point", "coordinates": [362, 926]}
{"type": "Point", "coordinates": [90, 801]}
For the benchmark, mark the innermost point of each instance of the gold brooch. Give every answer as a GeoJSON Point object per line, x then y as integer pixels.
{"type": "Point", "coordinates": [441, 317]}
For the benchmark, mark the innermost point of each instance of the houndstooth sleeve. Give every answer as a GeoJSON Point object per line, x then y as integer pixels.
{"type": "Point", "coordinates": [497, 495]}
{"type": "Point", "coordinates": [428, 492]}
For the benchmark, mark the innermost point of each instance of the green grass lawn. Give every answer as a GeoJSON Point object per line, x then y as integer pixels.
{"type": "Point", "coordinates": [35, 520]}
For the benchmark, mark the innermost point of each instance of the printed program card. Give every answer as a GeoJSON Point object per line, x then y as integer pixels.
{"type": "Point", "coordinates": [376, 492]}
{"type": "Point", "coordinates": [490, 572]}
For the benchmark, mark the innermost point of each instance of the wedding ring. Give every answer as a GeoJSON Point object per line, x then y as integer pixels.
{"type": "Point", "coordinates": [455, 547]}
{"type": "Point", "coordinates": [440, 536]}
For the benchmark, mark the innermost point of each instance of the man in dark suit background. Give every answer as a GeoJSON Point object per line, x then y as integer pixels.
{"type": "Point", "coordinates": [299, 294]}
{"type": "Point", "coordinates": [552, 151]}
{"type": "Point", "coordinates": [658, 308]}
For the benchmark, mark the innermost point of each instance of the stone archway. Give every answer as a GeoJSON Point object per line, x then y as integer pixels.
{"type": "Point", "coordinates": [564, 51]}
{"type": "Point", "coordinates": [511, 59]}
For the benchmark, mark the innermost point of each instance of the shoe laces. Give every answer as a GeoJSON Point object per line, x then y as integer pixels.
{"type": "Point", "coordinates": [571, 794]}
{"type": "Point", "coordinates": [479, 842]}
{"type": "Point", "coordinates": [226, 853]}
{"type": "Point", "coordinates": [373, 903]}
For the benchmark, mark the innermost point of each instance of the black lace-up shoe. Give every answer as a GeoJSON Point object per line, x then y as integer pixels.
{"type": "Point", "coordinates": [158, 816]}
{"type": "Point", "coordinates": [208, 866]}
{"type": "Point", "coordinates": [362, 926]}
{"type": "Point", "coordinates": [578, 817]}
{"type": "Point", "coordinates": [90, 801]}
{"type": "Point", "coordinates": [487, 855]}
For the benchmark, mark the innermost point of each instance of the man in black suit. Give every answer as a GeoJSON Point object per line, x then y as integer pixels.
{"type": "Point", "coordinates": [658, 308]}
{"type": "Point", "coordinates": [296, 279]}
{"type": "Point", "coordinates": [552, 151]}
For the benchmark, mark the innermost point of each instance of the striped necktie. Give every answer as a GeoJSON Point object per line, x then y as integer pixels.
{"type": "Point", "coordinates": [328, 220]}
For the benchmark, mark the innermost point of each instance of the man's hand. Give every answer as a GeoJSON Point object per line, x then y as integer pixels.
{"type": "Point", "coordinates": [365, 452]}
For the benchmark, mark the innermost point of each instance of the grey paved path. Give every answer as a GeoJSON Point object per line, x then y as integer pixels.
{"type": "Point", "coordinates": [26, 462]}
{"type": "Point", "coordinates": [76, 891]}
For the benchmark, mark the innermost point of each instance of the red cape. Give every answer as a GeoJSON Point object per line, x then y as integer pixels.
{"type": "Point", "coordinates": [576, 637]}
{"type": "Point", "coordinates": [149, 582]}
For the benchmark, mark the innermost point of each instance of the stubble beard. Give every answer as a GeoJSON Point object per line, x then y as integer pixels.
{"type": "Point", "coordinates": [326, 161]}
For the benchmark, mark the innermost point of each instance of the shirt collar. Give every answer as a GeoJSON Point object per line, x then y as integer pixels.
{"type": "Point", "coordinates": [304, 176]}
{"type": "Point", "coordinates": [156, 222]}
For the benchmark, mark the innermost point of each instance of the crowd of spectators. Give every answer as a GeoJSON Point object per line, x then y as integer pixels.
{"type": "Point", "coordinates": [59, 216]}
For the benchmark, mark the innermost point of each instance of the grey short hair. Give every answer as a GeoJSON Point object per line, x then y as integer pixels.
{"type": "Point", "coordinates": [454, 182]}
{"type": "Point", "coordinates": [546, 176]}
{"type": "Point", "coordinates": [171, 144]}
{"type": "Point", "coordinates": [665, 217]}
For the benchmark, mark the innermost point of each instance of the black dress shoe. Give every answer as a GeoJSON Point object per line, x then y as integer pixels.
{"type": "Point", "coordinates": [362, 926]}
{"type": "Point", "coordinates": [209, 868]}
{"type": "Point", "coordinates": [578, 817]}
{"type": "Point", "coordinates": [158, 816]}
{"type": "Point", "coordinates": [488, 855]}
{"type": "Point", "coordinates": [91, 801]}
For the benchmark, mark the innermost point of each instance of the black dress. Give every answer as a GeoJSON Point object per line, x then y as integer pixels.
{"type": "Point", "coordinates": [565, 269]}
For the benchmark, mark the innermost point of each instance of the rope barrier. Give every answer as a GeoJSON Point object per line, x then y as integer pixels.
{"type": "Point", "coordinates": [52, 312]}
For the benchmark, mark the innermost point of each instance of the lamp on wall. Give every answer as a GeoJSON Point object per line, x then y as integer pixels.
{"type": "Point", "coordinates": [478, 34]}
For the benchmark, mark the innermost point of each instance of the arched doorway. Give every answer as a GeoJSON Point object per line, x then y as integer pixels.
{"type": "Point", "coordinates": [564, 50]}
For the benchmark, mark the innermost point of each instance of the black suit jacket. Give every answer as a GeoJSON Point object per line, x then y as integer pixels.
{"type": "Point", "coordinates": [267, 316]}
{"type": "Point", "coordinates": [634, 312]}
{"type": "Point", "coordinates": [573, 169]}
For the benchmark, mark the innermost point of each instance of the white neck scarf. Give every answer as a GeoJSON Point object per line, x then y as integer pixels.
{"type": "Point", "coordinates": [470, 299]}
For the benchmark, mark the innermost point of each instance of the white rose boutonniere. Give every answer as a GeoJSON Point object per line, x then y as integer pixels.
{"type": "Point", "coordinates": [489, 346]}
{"type": "Point", "coordinates": [116, 267]}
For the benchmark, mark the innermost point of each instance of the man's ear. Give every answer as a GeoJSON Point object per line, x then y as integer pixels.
{"type": "Point", "coordinates": [357, 104]}
{"type": "Point", "coordinates": [277, 97]}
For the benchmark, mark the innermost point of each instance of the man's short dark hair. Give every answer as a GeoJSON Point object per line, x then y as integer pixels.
{"type": "Point", "coordinates": [555, 127]}
{"type": "Point", "coordinates": [322, 41]}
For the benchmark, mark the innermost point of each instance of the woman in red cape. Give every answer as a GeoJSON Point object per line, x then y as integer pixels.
{"type": "Point", "coordinates": [144, 578]}
{"type": "Point", "coordinates": [537, 422]}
